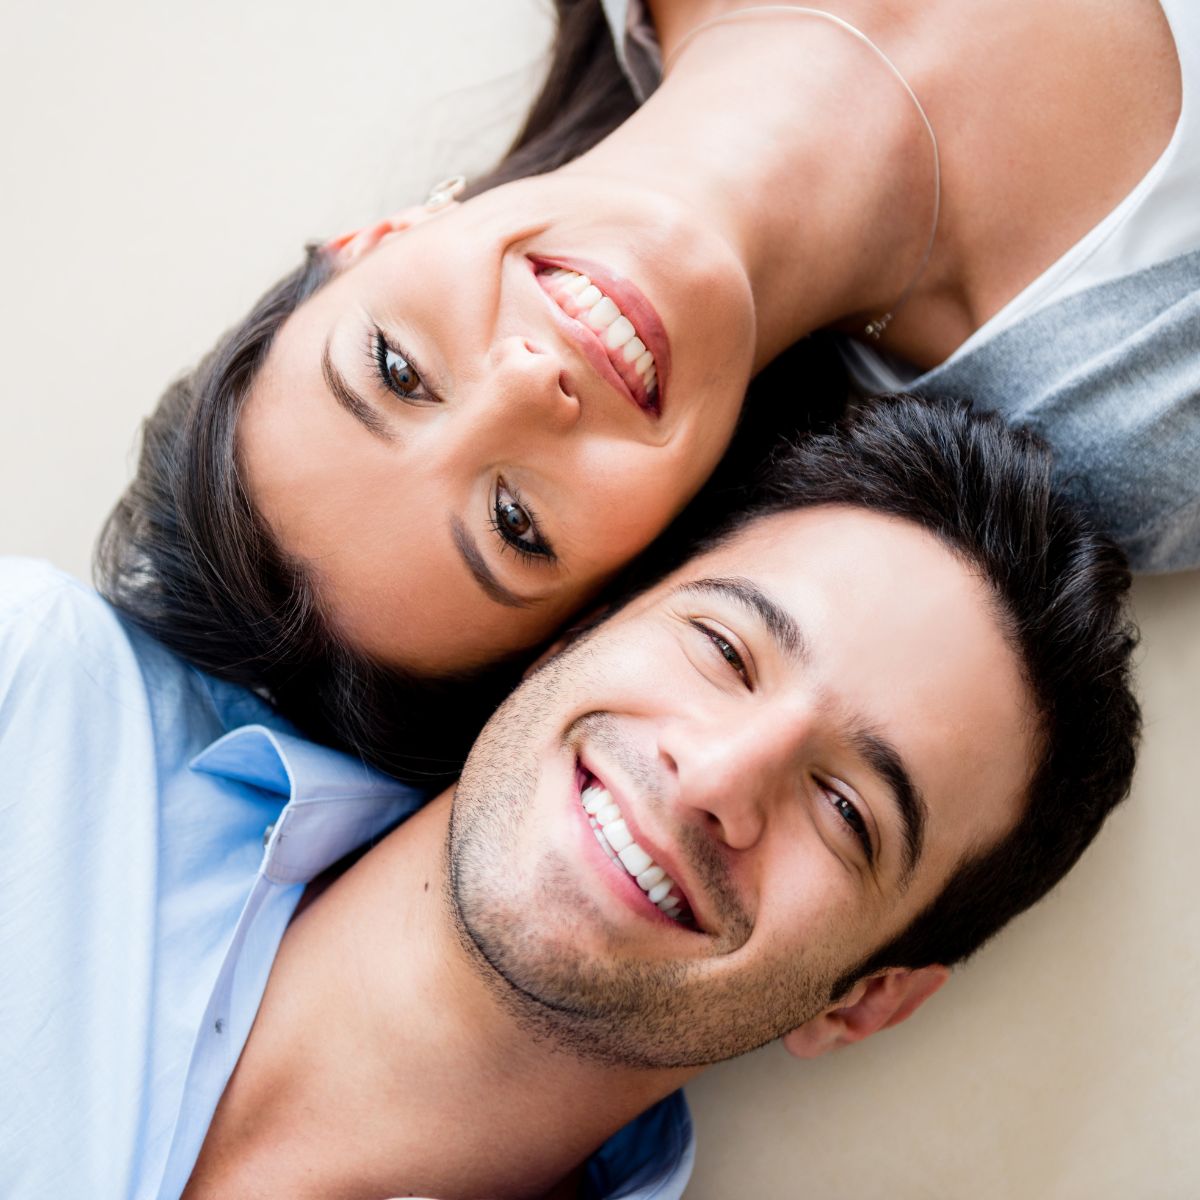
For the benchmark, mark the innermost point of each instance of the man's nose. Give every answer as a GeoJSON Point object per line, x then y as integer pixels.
{"type": "Point", "coordinates": [532, 387]}
{"type": "Point", "coordinates": [733, 772]}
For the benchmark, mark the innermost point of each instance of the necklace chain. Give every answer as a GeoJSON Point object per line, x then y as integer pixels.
{"type": "Point", "coordinates": [874, 328]}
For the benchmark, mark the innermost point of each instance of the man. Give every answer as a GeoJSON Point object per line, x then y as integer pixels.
{"type": "Point", "coordinates": [777, 794]}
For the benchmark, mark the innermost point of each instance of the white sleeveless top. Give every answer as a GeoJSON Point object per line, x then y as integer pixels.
{"type": "Point", "coordinates": [1157, 221]}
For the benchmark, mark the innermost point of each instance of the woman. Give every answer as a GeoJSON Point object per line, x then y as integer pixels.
{"type": "Point", "coordinates": [441, 437]}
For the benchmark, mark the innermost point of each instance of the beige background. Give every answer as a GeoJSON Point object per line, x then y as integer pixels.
{"type": "Point", "coordinates": [163, 163]}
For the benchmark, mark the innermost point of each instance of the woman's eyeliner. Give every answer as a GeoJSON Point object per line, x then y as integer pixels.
{"type": "Point", "coordinates": [513, 519]}
{"type": "Point", "coordinates": [398, 372]}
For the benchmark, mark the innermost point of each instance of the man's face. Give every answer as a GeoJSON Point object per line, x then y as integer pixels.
{"type": "Point", "coordinates": [803, 732]}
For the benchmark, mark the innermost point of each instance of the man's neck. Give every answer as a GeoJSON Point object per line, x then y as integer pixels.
{"type": "Point", "coordinates": [384, 1062]}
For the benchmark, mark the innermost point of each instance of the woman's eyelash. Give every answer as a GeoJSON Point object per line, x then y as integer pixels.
{"type": "Point", "coordinates": [725, 649]}
{"type": "Point", "coordinates": [854, 819]}
{"type": "Point", "coordinates": [380, 348]}
{"type": "Point", "coordinates": [538, 550]}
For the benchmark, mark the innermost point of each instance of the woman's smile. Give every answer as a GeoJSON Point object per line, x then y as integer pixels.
{"type": "Point", "coordinates": [614, 324]}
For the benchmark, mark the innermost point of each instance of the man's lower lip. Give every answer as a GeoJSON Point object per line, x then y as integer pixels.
{"type": "Point", "coordinates": [630, 892]}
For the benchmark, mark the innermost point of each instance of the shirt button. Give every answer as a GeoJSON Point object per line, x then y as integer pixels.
{"type": "Point", "coordinates": [270, 829]}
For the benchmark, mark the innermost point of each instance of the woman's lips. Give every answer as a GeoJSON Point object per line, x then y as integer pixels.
{"type": "Point", "coordinates": [613, 323]}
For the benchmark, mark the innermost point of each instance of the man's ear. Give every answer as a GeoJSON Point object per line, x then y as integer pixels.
{"type": "Point", "coordinates": [348, 248]}
{"type": "Point", "coordinates": [874, 1003]}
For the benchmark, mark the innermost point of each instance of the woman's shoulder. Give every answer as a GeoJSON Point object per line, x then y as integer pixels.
{"type": "Point", "coordinates": [1110, 377]}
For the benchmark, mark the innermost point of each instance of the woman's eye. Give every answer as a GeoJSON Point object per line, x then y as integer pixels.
{"type": "Point", "coordinates": [516, 525]}
{"type": "Point", "coordinates": [854, 819]}
{"type": "Point", "coordinates": [725, 649]}
{"type": "Point", "coordinates": [398, 373]}
{"type": "Point", "coordinates": [399, 370]}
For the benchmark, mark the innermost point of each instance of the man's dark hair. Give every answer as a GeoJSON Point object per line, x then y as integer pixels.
{"type": "Point", "coordinates": [1060, 589]}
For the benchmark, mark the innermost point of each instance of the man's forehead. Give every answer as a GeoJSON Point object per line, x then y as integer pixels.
{"type": "Point", "coordinates": [820, 525]}
{"type": "Point", "coordinates": [871, 558]}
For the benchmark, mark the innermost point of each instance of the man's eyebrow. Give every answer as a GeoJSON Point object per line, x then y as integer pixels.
{"type": "Point", "coordinates": [884, 759]}
{"type": "Point", "coordinates": [351, 401]}
{"type": "Point", "coordinates": [880, 755]}
{"type": "Point", "coordinates": [778, 621]}
{"type": "Point", "coordinates": [478, 567]}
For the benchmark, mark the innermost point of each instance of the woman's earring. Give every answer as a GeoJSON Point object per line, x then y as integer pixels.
{"type": "Point", "coordinates": [442, 193]}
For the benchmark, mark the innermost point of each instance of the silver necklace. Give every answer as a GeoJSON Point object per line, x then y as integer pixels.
{"type": "Point", "coordinates": [875, 327]}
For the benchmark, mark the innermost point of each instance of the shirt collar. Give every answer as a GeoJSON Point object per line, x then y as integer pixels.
{"type": "Point", "coordinates": [334, 804]}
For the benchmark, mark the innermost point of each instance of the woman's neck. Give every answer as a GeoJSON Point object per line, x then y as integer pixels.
{"type": "Point", "coordinates": [796, 141]}
{"type": "Point", "coordinates": [1046, 115]}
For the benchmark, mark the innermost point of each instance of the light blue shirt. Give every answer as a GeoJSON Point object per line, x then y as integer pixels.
{"type": "Point", "coordinates": [157, 829]}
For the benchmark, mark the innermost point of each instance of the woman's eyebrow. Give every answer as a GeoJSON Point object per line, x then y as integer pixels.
{"type": "Point", "coordinates": [483, 574]}
{"type": "Point", "coordinates": [360, 409]}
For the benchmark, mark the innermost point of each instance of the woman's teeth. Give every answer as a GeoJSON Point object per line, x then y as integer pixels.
{"type": "Point", "coordinates": [579, 297]}
{"type": "Point", "coordinates": [617, 842]}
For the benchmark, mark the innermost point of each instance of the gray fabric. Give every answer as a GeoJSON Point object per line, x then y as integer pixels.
{"type": "Point", "coordinates": [1110, 377]}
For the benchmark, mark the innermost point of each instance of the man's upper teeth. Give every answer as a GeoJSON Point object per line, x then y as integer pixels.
{"type": "Point", "coordinates": [583, 299]}
{"type": "Point", "coordinates": [613, 834]}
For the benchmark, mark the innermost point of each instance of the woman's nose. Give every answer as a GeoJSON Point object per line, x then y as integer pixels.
{"type": "Point", "coordinates": [532, 385]}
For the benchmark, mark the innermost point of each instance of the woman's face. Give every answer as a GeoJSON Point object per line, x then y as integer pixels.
{"type": "Point", "coordinates": [462, 441]}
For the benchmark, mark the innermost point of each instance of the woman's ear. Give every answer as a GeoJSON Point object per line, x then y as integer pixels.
{"type": "Point", "coordinates": [874, 1003]}
{"type": "Point", "coordinates": [348, 248]}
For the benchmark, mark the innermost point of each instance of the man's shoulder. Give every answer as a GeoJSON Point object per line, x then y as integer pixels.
{"type": "Point", "coordinates": [53, 626]}
{"type": "Point", "coordinates": [72, 667]}
{"type": "Point", "coordinates": [32, 587]}
{"type": "Point", "coordinates": [50, 623]}
{"type": "Point", "coordinates": [89, 763]}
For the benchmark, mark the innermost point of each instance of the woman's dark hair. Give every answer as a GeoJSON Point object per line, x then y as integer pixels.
{"type": "Point", "coordinates": [585, 96]}
{"type": "Point", "coordinates": [185, 557]}
{"type": "Point", "coordinates": [1060, 590]}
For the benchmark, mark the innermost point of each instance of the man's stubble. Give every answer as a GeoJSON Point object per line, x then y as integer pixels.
{"type": "Point", "coordinates": [614, 1008]}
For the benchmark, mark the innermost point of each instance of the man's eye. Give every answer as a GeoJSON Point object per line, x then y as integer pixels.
{"type": "Point", "coordinates": [398, 372]}
{"type": "Point", "coordinates": [853, 819]}
{"type": "Point", "coordinates": [725, 649]}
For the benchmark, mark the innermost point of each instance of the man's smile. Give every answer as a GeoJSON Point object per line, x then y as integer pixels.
{"type": "Point", "coordinates": [633, 857]}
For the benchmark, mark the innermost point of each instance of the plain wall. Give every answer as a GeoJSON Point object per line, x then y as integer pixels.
{"type": "Point", "coordinates": [163, 163]}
